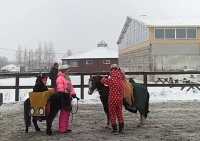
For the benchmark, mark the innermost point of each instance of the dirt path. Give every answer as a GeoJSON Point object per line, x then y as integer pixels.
{"type": "Point", "coordinates": [172, 121]}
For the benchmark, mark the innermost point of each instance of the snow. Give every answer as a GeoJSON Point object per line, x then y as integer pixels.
{"type": "Point", "coordinates": [157, 94]}
{"type": "Point", "coordinates": [168, 22]}
{"type": "Point", "coordinates": [98, 52]}
{"type": "Point", "coordinates": [10, 68]}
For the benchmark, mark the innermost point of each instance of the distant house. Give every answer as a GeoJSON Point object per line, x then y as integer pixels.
{"type": "Point", "coordinates": [10, 68]}
{"type": "Point", "coordinates": [98, 59]}
{"type": "Point", "coordinates": [160, 45]}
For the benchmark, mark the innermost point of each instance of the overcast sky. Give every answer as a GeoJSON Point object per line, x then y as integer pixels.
{"type": "Point", "coordinates": [78, 24]}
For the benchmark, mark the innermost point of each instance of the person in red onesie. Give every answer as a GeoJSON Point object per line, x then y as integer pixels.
{"type": "Point", "coordinates": [115, 98]}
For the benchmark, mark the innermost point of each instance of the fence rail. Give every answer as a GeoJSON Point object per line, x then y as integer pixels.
{"type": "Point", "coordinates": [145, 75]}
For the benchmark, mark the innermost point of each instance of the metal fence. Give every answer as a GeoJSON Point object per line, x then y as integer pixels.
{"type": "Point", "coordinates": [145, 76]}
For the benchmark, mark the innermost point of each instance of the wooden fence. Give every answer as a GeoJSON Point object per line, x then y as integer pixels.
{"type": "Point", "coordinates": [145, 75]}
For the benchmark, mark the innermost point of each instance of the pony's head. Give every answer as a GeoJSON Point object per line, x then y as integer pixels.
{"type": "Point", "coordinates": [93, 83]}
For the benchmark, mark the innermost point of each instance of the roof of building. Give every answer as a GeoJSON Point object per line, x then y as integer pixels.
{"type": "Point", "coordinates": [149, 22]}
{"type": "Point", "coordinates": [171, 22]}
{"type": "Point", "coordinates": [97, 52]}
{"type": "Point", "coordinates": [11, 68]}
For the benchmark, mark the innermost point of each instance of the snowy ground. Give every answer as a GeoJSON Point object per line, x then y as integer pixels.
{"type": "Point", "coordinates": [174, 115]}
{"type": "Point", "coordinates": [167, 121]}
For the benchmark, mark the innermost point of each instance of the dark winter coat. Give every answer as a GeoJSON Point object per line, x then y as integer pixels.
{"type": "Point", "coordinates": [39, 86]}
{"type": "Point", "coordinates": [53, 76]}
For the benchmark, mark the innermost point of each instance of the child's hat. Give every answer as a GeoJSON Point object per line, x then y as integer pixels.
{"type": "Point", "coordinates": [64, 67]}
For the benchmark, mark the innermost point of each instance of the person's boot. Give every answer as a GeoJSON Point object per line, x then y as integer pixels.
{"type": "Point", "coordinates": [121, 127]}
{"type": "Point", "coordinates": [114, 129]}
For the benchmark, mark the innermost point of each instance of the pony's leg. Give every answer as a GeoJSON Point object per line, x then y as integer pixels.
{"type": "Point", "coordinates": [108, 121]}
{"type": "Point", "coordinates": [50, 119]}
{"type": "Point", "coordinates": [27, 114]}
{"type": "Point", "coordinates": [141, 120]}
{"type": "Point", "coordinates": [49, 124]}
{"type": "Point", "coordinates": [35, 124]}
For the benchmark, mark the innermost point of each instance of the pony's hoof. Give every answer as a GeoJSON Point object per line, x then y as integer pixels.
{"type": "Point", "coordinates": [49, 132]}
{"type": "Point", "coordinates": [107, 127]}
{"type": "Point", "coordinates": [38, 129]}
{"type": "Point", "coordinates": [139, 125]}
{"type": "Point", "coordinates": [115, 132]}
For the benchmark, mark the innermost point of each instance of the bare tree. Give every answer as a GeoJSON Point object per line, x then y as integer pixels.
{"type": "Point", "coordinates": [25, 57]}
{"type": "Point", "coordinates": [19, 55]}
{"type": "Point", "coordinates": [39, 58]}
{"type": "Point", "coordinates": [51, 54]}
{"type": "Point", "coordinates": [39, 55]}
{"type": "Point", "coordinates": [69, 52]}
{"type": "Point", "coordinates": [3, 61]}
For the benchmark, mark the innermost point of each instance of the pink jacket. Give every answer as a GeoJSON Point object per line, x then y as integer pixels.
{"type": "Point", "coordinates": [64, 85]}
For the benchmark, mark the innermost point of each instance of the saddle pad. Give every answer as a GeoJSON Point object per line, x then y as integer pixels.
{"type": "Point", "coordinates": [128, 92]}
{"type": "Point", "coordinates": [38, 101]}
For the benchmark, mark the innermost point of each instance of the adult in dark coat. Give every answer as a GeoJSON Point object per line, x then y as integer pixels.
{"type": "Point", "coordinates": [53, 75]}
{"type": "Point", "coordinates": [40, 84]}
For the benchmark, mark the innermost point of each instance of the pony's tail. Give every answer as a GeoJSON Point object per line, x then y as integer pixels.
{"type": "Point", "coordinates": [147, 105]}
{"type": "Point", "coordinates": [27, 113]}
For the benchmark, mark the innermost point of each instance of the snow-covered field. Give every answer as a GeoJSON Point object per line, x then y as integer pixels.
{"type": "Point", "coordinates": [157, 94]}
{"type": "Point", "coordinates": [180, 108]}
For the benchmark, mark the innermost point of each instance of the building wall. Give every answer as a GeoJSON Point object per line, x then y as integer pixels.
{"type": "Point", "coordinates": [175, 55]}
{"type": "Point", "coordinates": [161, 55]}
{"type": "Point", "coordinates": [135, 60]}
{"type": "Point", "coordinates": [136, 33]}
{"type": "Point", "coordinates": [96, 66]}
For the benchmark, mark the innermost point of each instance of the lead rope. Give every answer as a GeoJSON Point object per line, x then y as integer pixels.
{"type": "Point", "coordinates": [74, 111]}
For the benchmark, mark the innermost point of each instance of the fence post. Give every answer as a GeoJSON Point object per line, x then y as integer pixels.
{"type": "Point", "coordinates": [145, 79]}
{"type": "Point", "coordinates": [1, 99]}
{"type": "Point", "coordinates": [17, 87]}
{"type": "Point", "coordinates": [82, 86]}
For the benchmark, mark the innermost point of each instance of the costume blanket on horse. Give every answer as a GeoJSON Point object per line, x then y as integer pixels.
{"type": "Point", "coordinates": [141, 96]}
{"type": "Point", "coordinates": [38, 102]}
{"type": "Point", "coordinates": [128, 92]}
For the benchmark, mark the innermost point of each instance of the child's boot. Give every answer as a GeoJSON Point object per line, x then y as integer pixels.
{"type": "Point", "coordinates": [114, 129]}
{"type": "Point", "coordinates": [121, 127]}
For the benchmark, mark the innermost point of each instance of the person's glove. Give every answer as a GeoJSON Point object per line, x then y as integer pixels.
{"type": "Point", "coordinates": [74, 96]}
{"type": "Point", "coordinates": [77, 98]}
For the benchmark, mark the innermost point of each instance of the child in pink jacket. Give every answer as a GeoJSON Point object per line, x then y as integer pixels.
{"type": "Point", "coordinates": [66, 91]}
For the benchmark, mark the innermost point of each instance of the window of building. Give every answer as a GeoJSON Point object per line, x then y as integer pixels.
{"type": "Point", "coordinates": [175, 33]}
{"type": "Point", "coordinates": [64, 62]}
{"type": "Point", "coordinates": [89, 61]}
{"type": "Point", "coordinates": [74, 63]}
{"type": "Point", "coordinates": [169, 33]}
{"type": "Point", "coordinates": [159, 33]}
{"type": "Point", "coordinates": [106, 61]}
{"type": "Point", "coordinates": [180, 33]}
{"type": "Point", "coordinates": [191, 33]}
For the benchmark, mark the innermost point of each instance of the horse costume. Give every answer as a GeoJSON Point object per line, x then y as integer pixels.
{"type": "Point", "coordinates": [51, 103]}
{"type": "Point", "coordinates": [141, 97]}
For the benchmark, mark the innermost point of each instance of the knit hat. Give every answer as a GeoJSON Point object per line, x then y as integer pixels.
{"type": "Point", "coordinates": [64, 67]}
{"type": "Point", "coordinates": [114, 66]}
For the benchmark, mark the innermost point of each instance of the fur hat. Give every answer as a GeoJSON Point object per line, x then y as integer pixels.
{"type": "Point", "coordinates": [64, 67]}
{"type": "Point", "coordinates": [114, 66]}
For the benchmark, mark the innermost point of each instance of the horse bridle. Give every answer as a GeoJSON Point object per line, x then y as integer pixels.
{"type": "Point", "coordinates": [91, 85]}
